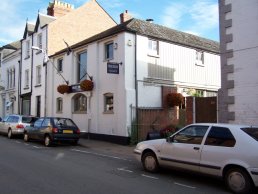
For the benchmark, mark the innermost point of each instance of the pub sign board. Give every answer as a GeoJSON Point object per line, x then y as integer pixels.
{"type": "Point", "coordinates": [113, 68]}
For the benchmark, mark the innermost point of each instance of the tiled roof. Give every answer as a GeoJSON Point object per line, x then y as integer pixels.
{"type": "Point", "coordinates": [155, 31]}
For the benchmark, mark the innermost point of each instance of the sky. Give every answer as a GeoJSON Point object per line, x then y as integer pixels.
{"type": "Point", "coordinates": [198, 17]}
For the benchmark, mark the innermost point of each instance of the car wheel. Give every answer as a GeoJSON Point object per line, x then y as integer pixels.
{"type": "Point", "coordinates": [75, 142]}
{"type": "Point", "coordinates": [238, 181]}
{"type": "Point", "coordinates": [47, 141]}
{"type": "Point", "coordinates": [10, 134]}
{"type": "Point", "coordinates": [26, 137]}
{"type": "Point", "coordinates": [149, 162]}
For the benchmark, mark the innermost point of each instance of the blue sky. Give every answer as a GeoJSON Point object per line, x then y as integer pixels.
{"type": "Point", "coordinates": [199, 17]}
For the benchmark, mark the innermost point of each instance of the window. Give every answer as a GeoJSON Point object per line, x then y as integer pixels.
{"type": "Point", "coordinates": [27, 78]}
{"type": "Point", "coordinates": [199, 58]}
{"type": "Point", "coordinates": [0, 59]}
{"type": "Point", "coordinates": [38, 123]}
{"type": "Point", "coordinates": [191, 135]}
{"type": "Point", "coordinates": [220, 136]}
{"type": "Point", "coordinates": [64, 122]}
{"type": "Point", "coordinates": [79, 103]}
{"type": "Point", "coordinates": [59, 105]}
{"type": "Point", "coordinates": [153, 47]}
{"type": "Point", "coordinates": [108, 103]}
{"type": "Point", "coordinates": [109, 51]}
{"type": "Point", "coordinates": [46, 123]}
{"type": "Point", "coordinates": [251, 131]}
{"type": "Point", "coordinates": [82, 66]}
{"type": "Point", "coordinates": [60, 65]}
{"type": "Point", "coordinates": [39, 39]}
{"type": "Point", "coordinates": [38, 75]}
{"type": "Point", "coordinates": [27, 51]}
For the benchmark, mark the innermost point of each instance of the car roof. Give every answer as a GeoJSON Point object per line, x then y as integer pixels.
{"type": "Point", "coordinates": [224, 124]}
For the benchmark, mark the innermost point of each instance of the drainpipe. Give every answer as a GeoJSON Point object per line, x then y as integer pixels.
{"type": "Point", "coordinates": [19, 85]}
{"type": "Point", "coordinates": [31, 74]}
{"type": "Point", "coordinates": [136, 85]}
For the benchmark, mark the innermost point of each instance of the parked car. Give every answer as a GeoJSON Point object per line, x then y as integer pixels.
{"type": "Point", "coordinates": [14, 124]}
{"type": "Point", "coordinates": [53, 129]}
{"type": "Point", "coordinates": [223, 150]}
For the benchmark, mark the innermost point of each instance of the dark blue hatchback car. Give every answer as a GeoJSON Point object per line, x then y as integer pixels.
{"type": "Point", "coordinates": [53, 129]}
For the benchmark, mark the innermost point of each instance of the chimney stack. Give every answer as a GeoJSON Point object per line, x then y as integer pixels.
{"type": "Point", "coordinates": [125, 17]}
{"type": "Point", "coordinates": [59, 8]}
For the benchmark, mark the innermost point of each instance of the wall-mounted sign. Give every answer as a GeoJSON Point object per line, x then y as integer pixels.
{"type": "Point", "coordinates": [113, 68]}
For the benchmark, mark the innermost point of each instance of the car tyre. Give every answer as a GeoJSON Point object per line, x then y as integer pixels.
{"type": "Point", "coordinates": [238, 181]}
{"type": "Point", "coordinates": [26, 137]}
{"type": "Point", "coordinates": [75, 142]}
{"type": "Point", "coordinates": [149, 162]}
{"type": "Point", "coordinates": [47, 141]}
{"type": "Point", "coordinates": [10, 134]}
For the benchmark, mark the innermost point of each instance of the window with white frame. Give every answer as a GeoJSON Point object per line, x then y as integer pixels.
{"type": "Point", "coordinates": [79, 103]}
{"type": "Point", "coordinates": [27, 51]}
{"type": "Point", "coordinates": [109, 50]}
{"type": "Point", "coordinates": [153, 47]}
{"type": "Point", "coordinates": [108, 103]}
{"type": "Point", "coordinates": [60, 65]}
{"type": "Point", "coordinates": [39, 39]}
{"type": "Point", "coordinates": [59, 105]}
{"type": "Point", "coordinates": [38, 75]}
{"type": "Point", "coordinates": [10, 78]}
{"type": "Point", "coordinates": [27, 78]}
{"type": "Point", "coordinates": [199, 58]}
{"type": "Point", "coordinates": [0, 59]}
{"type": "Point", "coordinates": [82, 66]}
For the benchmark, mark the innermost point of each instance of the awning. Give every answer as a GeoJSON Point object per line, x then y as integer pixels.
{"type": "Point", "coordinates": [8, 104]}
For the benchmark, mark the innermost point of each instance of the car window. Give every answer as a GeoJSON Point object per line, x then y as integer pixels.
{"type": "Point", "coordinates": [28, 119]}
{"type": "Point", "coordinates": [62, 122]}
{"type": "Point", "coordinates": [38, 123]}
{"type": "Point", "coordinates": [220, 136]}
{"type": "Point", "coordinates": [5, 118]}
{"type": "Point", "coordinates": [13, 119]}
{"type": "Point", "coordinates": [191, 135]}
{"type": "Point", "coordinates": [46, 123]}
{"type": "Point", "coordinates": [252, 131]}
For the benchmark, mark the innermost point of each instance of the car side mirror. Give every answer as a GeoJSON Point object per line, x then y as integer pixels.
{"type": "Point", "coordinates": [169, 139]}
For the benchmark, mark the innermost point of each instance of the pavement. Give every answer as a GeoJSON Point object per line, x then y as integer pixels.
{"type": "Point", "coordinates": [107, 147]}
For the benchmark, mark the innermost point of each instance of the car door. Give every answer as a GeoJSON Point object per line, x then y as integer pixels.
{"type": "Point", "coordinates": [219, 147]}
{"type": "Point", "coordinates": [34, 131]}
{"type": "Point", "coordinates": [184, 149]}
{"type": "Point", "coordinates": [3, 125]}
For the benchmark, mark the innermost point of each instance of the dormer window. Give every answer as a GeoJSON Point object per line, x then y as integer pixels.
{"type": "Point", "coordinates": [39, 39]}
{"type": "Point", "coordinates": [153, 47]}
{"type": "Point", "coordinates": [27, 51]}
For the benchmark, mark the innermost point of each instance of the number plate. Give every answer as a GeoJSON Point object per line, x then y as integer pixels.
{"type": "Point", "coordinates": [67, 131]}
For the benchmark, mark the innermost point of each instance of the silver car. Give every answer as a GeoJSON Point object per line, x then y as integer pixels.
{"type": "Point", "coordinates": [14, 124]}
{"type": "Point", "coordinates": [224, 150]}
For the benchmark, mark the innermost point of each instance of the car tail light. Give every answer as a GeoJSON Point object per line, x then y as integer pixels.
{"type": "Point", "coordinates": [19, 126]}
{"type": "Point", "coordinates": [78, 131]}
{"type": "Point", "coordinates": [54, 130]}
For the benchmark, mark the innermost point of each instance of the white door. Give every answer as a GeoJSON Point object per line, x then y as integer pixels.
{"type": "Point", "coordinates": [184, 150]}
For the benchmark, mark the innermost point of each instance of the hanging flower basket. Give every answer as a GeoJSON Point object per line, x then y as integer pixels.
{"type": "Point", "coordinates": [174, 99]}
{"type": "Point", "coordinates": [86, 85]}
{"type": "Point", "coordinates": [63, 88]}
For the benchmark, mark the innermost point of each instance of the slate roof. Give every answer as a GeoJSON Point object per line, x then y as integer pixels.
{"type": "Point", "coordinates": [29, 28]}
{"type": "Point", "coordinates": [10, 48]}
{"type": "Point", "coordinates": [43, 20]}
{"type": "Point", "coordinates": [156, 31]}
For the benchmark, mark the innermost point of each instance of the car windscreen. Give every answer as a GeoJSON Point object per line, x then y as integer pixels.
{"type": "Point", "coordinates": [28, 119]}
{"type": "Point", "coordinates": [61, 122]}
{"type": "Point", "coordinates": [252, 131]}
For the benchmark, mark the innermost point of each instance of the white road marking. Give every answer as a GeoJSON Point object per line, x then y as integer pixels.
{"type": "Point", "coordinates": [97, 154]}
{"type": "Point", "coordinates": [123, 169]}
{"type": "Point", "coordinates": [38, 147]}
{"type": "Point", "coordinates": [17, 141]}
{"type": "Point", "coordinates": [26, 144]}
{"type": "Point", "coordinates": [183, 185]}
{"type": "Point", "coordinates": [151, 177]}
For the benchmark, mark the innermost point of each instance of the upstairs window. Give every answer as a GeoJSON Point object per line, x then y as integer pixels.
{"type": "Point", "coordinates": [82, 66]}
{"type": "Point", "coordinates": [27, 51]}
{"type": "Point", "coordinates": [109, 51]}
{"type": "Point", "coordinates": [39, 39]}
{"type": "Point", "coordinates": [199, 58]}
{"type": "Point", "coordinates": [153, 47]}
{"type": "Point", "coordinates": [38, 75]}
{"type": "Point", "coordinates": [27, 78]}
{"type": "Point", "coordinates": [60, 65]}
{"type": "Point", "coordinates": [59, 105]}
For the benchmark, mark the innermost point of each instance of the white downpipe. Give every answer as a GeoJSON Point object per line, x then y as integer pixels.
{"type": "Point", "coordinates": [194, 110]}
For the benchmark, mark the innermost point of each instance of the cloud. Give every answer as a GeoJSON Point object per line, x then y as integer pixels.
{"type": "Point", "coordinates": [196, 17]}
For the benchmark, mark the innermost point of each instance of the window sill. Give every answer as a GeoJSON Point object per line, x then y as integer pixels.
{"type": "Point", "coordinates": [59, 112]}
{"type": "Point", "coordinates": [153, 55]}
{"type": "Point", "coordinates": [26, 57]}
{"type": "Point", "coordinates": [38, 52]}
{"type": "Point", "coordinates": [38, 85]}
{"type": "Point", "coordinates": [199, 64]}
{"type": "Point", "coordinates": [26, 88]}
{"type": "Point", "coordinates": [108, 60]}
{"type": "Point", "coordinates": [80, 112]}
{"type": "Point", "coordinates": [108, 112]}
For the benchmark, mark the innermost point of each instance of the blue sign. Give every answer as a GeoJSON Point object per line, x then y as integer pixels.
{"type": "Point", "coordinates": [113, 68]}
